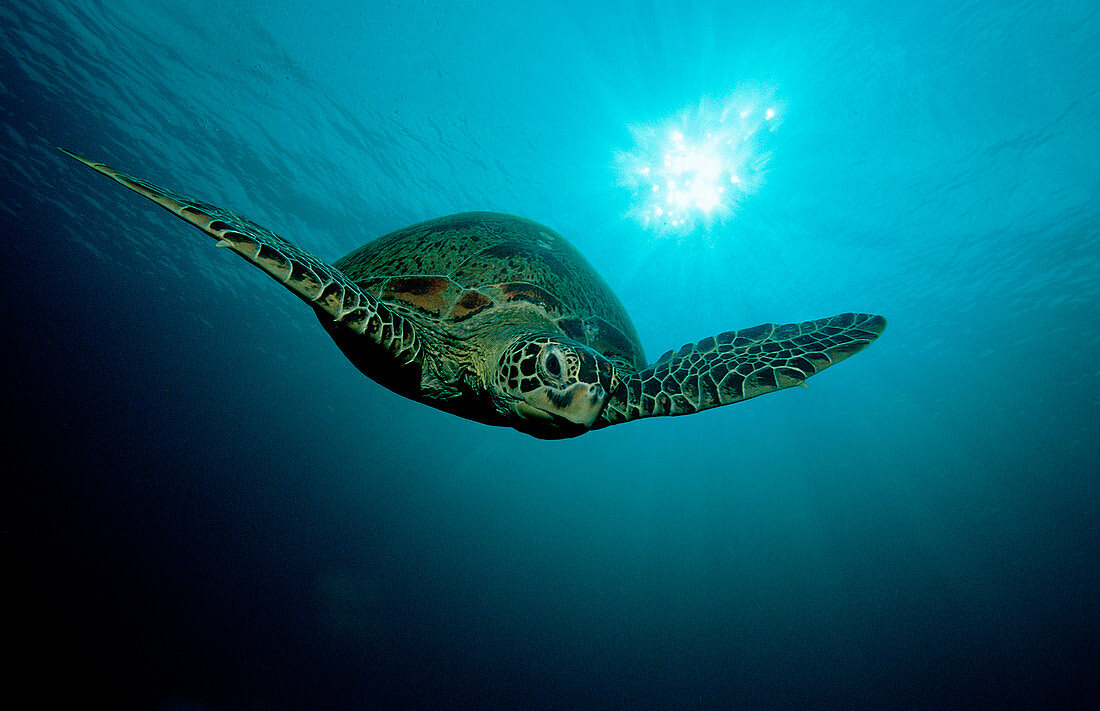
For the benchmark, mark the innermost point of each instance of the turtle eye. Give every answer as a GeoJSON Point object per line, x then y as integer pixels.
{"type": "Point", "coordinates": [553, 365]}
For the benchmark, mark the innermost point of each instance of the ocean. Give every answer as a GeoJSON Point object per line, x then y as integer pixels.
{"type": "Point", "coordinates": [212, 509]}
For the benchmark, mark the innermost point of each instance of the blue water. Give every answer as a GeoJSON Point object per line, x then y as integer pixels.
{"type": "Point", "coordinates": [212, 509]}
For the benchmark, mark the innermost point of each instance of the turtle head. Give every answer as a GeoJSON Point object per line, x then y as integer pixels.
{"type": "Point", "coordinates": [556, 386]}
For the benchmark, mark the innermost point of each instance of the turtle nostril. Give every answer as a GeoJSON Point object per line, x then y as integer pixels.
{"type": "Point", "coordinates": [597, 392]}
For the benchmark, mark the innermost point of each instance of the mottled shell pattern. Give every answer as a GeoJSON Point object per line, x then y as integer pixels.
{"type": "Point", "coordinates": [457, 267]}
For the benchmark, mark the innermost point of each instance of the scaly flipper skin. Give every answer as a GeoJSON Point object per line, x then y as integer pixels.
{"type": "Point", "coordinates": [738, 365]}
{"type": "Point", "coordinates": [329, 291]}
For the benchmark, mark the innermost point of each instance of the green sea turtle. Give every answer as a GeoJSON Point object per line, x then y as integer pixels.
{"type": "Point", "coordinates": [500, 320]}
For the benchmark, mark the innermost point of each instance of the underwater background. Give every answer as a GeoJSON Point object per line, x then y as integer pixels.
{"type": "Point", "coordinates": [211, 508]}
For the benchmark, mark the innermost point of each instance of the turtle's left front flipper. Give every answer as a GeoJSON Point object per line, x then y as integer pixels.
{"type": "Point", "coordinates": [738, 365]}
{"type": "Point", "coordinates": [328, 290]}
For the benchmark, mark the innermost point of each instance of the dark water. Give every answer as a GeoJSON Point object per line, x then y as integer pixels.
{"type": "Point", "coordinates": [211, 509]}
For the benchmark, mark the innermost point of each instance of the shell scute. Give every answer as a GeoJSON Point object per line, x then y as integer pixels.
{"type": "Point", "coordinates": [428, 294]}
{"type": "Point", "coordinates": [471, 303]}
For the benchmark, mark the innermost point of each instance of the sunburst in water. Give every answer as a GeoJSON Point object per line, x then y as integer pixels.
{"type": "Point", "coordinates": [692, 170]}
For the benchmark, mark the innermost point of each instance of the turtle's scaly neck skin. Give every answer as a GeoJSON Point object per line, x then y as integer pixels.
{"type": "Point", "coordinates": [458, 362]}
{"type": "Point", "coordinates": [492, 369]}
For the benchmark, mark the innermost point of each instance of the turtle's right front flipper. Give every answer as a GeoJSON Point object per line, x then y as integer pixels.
{"type": "Point", "coordinates": [738, 365]}
{"type": "Point", "coordinates": [328, 290]}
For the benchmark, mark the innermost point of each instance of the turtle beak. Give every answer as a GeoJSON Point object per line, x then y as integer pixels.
{"type": "Point", "coordinates": [582, 403]}
{"type": "Point", "coordinates": [586, 399]}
